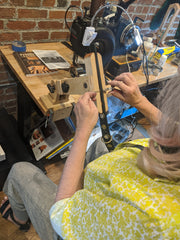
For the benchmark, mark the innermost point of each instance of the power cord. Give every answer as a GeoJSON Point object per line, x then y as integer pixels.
{"type": "Point", "coordinates": [111, 5]}
{"type": "Point", "coordinates": [145, 63]}
{"type": "Point", "coordinates": [129, 69]}
{"type": "Point", "coordinates": [67, 10]}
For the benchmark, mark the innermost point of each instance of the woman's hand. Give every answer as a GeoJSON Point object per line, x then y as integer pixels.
{"type": "Point", "coordinates": [86, 118]}
{"type": "Point", "coordinates": [127, 89]}
{"type": "Point", "coordinates": [86, 113]}
{"type": "Point", "coordinates": [129, 92]}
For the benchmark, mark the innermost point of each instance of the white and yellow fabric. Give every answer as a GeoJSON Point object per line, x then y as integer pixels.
{"type": "Point", "coordinates": [119, 202]}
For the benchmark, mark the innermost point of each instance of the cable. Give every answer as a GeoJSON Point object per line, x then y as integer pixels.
{"type": "Point", "coordinates": [71, 6]}
{"type": "Point", "coordinates": [111, 5]}
{"type": "Point", "coordinates": [145, 63]}
{"type": "Point", "coordinates": [129, 69]}
{"type": "Point", "coordinates": [125, 31]}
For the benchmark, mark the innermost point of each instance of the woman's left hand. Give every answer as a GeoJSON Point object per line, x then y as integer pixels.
{"type": "Point", "coordinates": [128, 90]}
{"type": "Point", "coordinates": [86, 113]}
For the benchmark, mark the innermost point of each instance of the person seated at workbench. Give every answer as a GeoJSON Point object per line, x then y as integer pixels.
{"type": "Point", "coordinates": [128, 193]}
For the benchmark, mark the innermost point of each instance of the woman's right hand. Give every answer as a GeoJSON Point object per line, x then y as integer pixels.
{"type": "Point", "coordinates": [126, 89]}
{"type": "Point", "coordinates": [86, 113]}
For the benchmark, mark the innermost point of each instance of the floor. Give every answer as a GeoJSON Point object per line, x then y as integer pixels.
{"type": "Point", "coordinates": [9, 231]}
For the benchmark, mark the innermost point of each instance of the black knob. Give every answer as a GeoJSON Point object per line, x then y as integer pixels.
{"type": "Point", "coordinates": [65, 87]}
{"type": "Point", "coordinates": [51, 88]}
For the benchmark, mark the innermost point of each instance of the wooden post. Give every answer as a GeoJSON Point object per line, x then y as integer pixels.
{"type": "Point", "coordinates": [91, 70]}
{"type": "Point", "coordinates": [163, 30]}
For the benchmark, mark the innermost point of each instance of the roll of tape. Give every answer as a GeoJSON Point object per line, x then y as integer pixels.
{"type": "Point", "coordinates": [18, 46]}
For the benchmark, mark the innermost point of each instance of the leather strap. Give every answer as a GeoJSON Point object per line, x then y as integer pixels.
{"type": "Point", "coordinates": [103, 116]}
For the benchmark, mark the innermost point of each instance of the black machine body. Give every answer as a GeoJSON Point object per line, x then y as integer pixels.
{"type": "Point", "coordinates": [115, 36]}
{"type": "Point", "coordinates": [77, 32]}
{"type": "Point", "coordinates": [105, 39]}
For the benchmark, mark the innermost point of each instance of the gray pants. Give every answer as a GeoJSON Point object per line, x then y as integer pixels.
{"type": "Point", "coordinates": [31, 193]}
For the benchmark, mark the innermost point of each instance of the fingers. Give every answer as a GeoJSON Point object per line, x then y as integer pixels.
{"type": "Point", "coordinates": [122, 88]}
{"type": "Point", "coordinates": [127, 78]}
{"type": "Point", "coordinates": [86, 111]}
{"type": "Point", "coordinates": [124, 79]}
{"type": "Point", "coordinates": [124, 82]}
{"type": "Point", "coordinates": [126, 88]}
{"type": "Point", "coordinates": [86, 97]}
{"type": "Point", "coordinates": [86, 101]}
{"type": "Point", "coordinates": [120, 84]}
{"type": "Point", "coordinates": [92, 96]}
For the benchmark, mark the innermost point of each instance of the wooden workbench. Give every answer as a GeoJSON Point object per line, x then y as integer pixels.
{"type": "Point", "coordinates": [168, 72]}
{"type": "Point", "coordinates": [36, 86]}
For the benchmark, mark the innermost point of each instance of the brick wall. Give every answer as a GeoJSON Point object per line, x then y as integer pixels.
{"type": "Point", "coordinates": [34, 21]}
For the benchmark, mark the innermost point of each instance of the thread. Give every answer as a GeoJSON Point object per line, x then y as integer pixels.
{"type": "Point", "coordinates": [148, 45]}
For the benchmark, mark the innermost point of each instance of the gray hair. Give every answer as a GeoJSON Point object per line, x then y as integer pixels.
{"type": "Point", "coordinates": [162, 158]}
